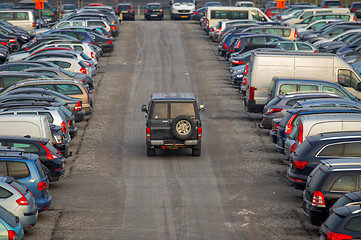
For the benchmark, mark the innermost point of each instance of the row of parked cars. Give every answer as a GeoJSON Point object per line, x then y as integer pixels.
{"type": "Point", "coordinates": [309, 97]}
{"type": "Point", "coordinates": [45, 85]}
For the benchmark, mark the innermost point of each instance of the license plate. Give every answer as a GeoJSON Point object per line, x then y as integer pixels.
{"type": "Point", "coordinates": [184, 16]}
{"type": "Point", "coordinates": [124, 11]}
{"type": "Point", "coordinates": [154, 15]}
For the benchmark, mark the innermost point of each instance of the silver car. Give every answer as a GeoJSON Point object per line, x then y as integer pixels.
{"type": "Point", "coordinates": [17, 199]}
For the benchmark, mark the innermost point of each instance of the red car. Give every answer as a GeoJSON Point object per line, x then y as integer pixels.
{"type": "Point", "coordinates": [274, 11]}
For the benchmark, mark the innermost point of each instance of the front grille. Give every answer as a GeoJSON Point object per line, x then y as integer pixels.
{"type": "Point", "coordinates": [183, 11]}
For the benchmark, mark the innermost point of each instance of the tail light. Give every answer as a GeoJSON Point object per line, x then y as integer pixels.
{"type": "Point", "coordinates": [289, 126]}
{"type": "Point", "coordinates": [42, 186]}
{"type": "Point", "coordinates": [300, 164]}
{"type": "Point", "coordinates": [148, 132]}
{"type": "Point", "coordinates": [87, 63]}
{"type": "Point", "coordinates": [244, 81]}
{"type": "Point", "coordinates": [300, 134]}
{"type": "Point", "coordinates": [92, 54]}
{"type": "Point", "coordinates": [12, 235]}
{"type": "Point", "coordinates": [110, 42]}
{"type": "Point", "coordinates": [199, 132]}
{"type": "Point", "coordinates": [63, 13]}
{"type": "Point", "coordinates": [273, 110]}
{"type": "Point", "coordinates": [224, 46]}
{"type": "Point", "coordinates": [161, 10]}
{"type": "Point", "coordinates": [49, 154]}
{"type": "Point", "coordinates": [78, 106]}
{"type": "Point", "coordinates": [275, 127]}
{"type": "Point", "coordinates": [246, 70]}
{"type": "Point", "coordinates": [212, 29]}
{"type": "Point", "coordinates": [91, 43]}
{"type": "Point", "coordinates": [295, 36]}
{"type": "Point", "coordinates": [146, 11]}
{"type": "Point", "coordinates": [354, 19]}
{"type": "Point", "coordinates": [236, 62]}
{"type": "Point", "coordinates": [63, 127]}
{"type": "Point", "coordinates": [207, 23]}
{"type": "Point", "coordinates": [22, 201]}
{"type": "Point", "coordinates": [5, 43]}
{"type": "Point", "coordinates": [195, 13]}
{"type": "Point", "coordinates": [12, 40]}
{"type": "Point", "coordinates": [316, 51]}
{"type": "Point", "coordinates": [337, 236]}
{"type": "Point", "coordinates": [83, 70]}
{"type": "Point", "coordinates": [325, 6]}
{"type": "Point", "coordinates": [27, 48]}
{"type": "Point", "coordinates": [238, 44]}
{"type": "Point", "coordinates": [218, 30]}
{"type": "Point", "coordinates": [69, 123]}
{"type": "Point", "coordinates": [340, 6]}
{"type": "Point", "coordinates": [131, 8]}
{"type": "Point", "coordinates": [251, 93]}
{"type": "Point", "coordinates": [352, 9]}
{"type": "Point", "coordinates": [114, 27]}
{"type": "Point", "coordinates": [293, 147]}
{"type": "Point", "coordinates": [33, 24]}
{"type": "Point", "coordinates": [52, 14]}
{"type": "Point", "coordinates": [318, 199]}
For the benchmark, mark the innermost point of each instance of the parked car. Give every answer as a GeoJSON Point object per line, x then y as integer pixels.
{"type": "Point", "coordinates": [295, 46]}
{"type": "Point", "coordinates": [183, 128]}
{"type": "Point", "coordinates": [327, 183]}
{"type": "Point", "coordinates": [11, 227]}
{"type": "Point", "coordinates": [153, 11]}
{"type": "Point", "coordinates": [126, 9]}
{"type": "Point", "coordinates": [355, 8]}
{"type": "Point", "coordinates": [350, 198]}
{"type": "Point", "coordinates": [16, 198]}
{"type": "Point", "coordinates": [331, 4]}
{"type": "Point", "coordinates": [272, 11]}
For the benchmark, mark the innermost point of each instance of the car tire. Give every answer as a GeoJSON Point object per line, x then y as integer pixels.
{"type": "Point", "coordinates": [196, 150]}
{"type": "Point", "coordinates": [183, 127]}
{"type": "Point", "coordinates": [150, 152]}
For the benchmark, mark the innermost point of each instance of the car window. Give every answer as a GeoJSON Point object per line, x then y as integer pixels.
{"type": "Point", "coordinates": [353, 149]}
{"type": "Point", "coordinates": [256, 15]}
{"type": "Point", "coordinates": [21, 16]}
{"type": "Point", "coordinates": [287, 46]}
{"type": "Point", "coordinates": [333, 90]}
{"type": "Point", "coordinates": [287, 88]}
{"type": "Point", "coordinates": [308, 88]}
{"type": "Point", "coordinates": [334, 150]}
{"type": "Point", "coordinates": [347, 78]}
{"type": "Point", "coordinates": [4, 193]}
{"type": "Point", "coordinates": [18, 170]}
{"type": "Point", "coordinates": [40, 169]}
{"type": "Point", "coordinates": [303, 47]}
{"type": "Point", "coordinates": [63, 24]}
{"type": "Point", "coordinates": [68, 89]}
{"type": "Point", "coordinates": [79, 48]}
{"type": "Point", "coordinates": [354, 224]}
{"type": "Point", "coordinates": [7, 16]}
{"type": "Point", "coordinates": [28, 147]}
{"type": "Point", "coordinates": [62, 64]}
{"type": "Point", "coordinates": [80, 36]}
{"type": "Point", "coordinates": [48, 115]}
{"type": "Point", "coordinates": [27, 113]}
{"type": "Point", "coordinates": [159, 111]}
{"type": "Point", "coordinates": [344, 183]}
{"type": "Point", "coordinates": [178, 109]}
{"type": "Point", "coordinates": [3, 168]}
{"type": "Point", "coordinates": [292, 102]}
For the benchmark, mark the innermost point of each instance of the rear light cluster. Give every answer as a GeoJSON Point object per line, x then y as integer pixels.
{"type": "Point", "coordinates": [199, 132]}
{"type": "Point", "coordinates": [293, 147]}
{"type": "Point", "coordinates": [110, 42]}
{"type": "Point", "coordinates": [12, 235]}
{"type": "Point", "coordinates": [337, 236]}
{"type": "Point", "coordinates": [318, 199]}
{"type": "Point", "coordinates": [224, 46]}
{"type": "Point", "coordinates": [246, 70]}
{"type": "Point", "coordinates": [5, 43]}
{"type": "Point", "coordinates": [22, 201]}
{"type": "Point", "coordinates": [78, 106]}
{"type": "Point", "coordinates": [299, 164]}
{"type": "Point", "coordinates": [87, 63]}
{"type": "Point", "coordinates": [42, 186]}
{"type": "Point", "coordinates": [63, 127]}
{"type": "Point", "coordinates": [49, 154]}
{"type": "Point", "coordinates": [273, 110]}
{"type": "Point", "coordinates": [300, 134]}
{"type": "Point", "coordinates": [148, 132]}
{"type": "Point", "coordinates": [275, 127]}
{"type": "Point", "coordinates": [251, 93]}
{"type": "Point", "coordinates": [33, 24]}
{"type": "Point", "coordinates": [236, 62]}
{"type": "Point", "coordinates": [83, 70]}
{"type": "Point", "coordinates": [146, 11]}
{"type": "Point", "coordinates": [289, 126]}
{"type": "Point", "coordinates": [114, 27]}
{"type": "Point", "coordinates": [12, 40]}
{"type": "Point", "coordinates": [238, 44]}
{"type": "Point", "coordinates": [92, 54]}
{"type": "Point", "coordinates": [244, 81]}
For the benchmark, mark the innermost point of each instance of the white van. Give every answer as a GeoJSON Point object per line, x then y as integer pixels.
{"type": "Point", "coordinates": [218, 13]}
{"type": "Point", "coordinates": [19, 17]}
{"type": "Point", "coordinates": [317, 66]}
{"type": "Point", "coordinates": [305, 13]}
{"type": "Point", "coordinates": [32, 125]}
{"type": "Point", "coordinates": [182, 9]}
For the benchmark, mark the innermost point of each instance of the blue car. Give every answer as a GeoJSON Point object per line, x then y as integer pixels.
{"type": "Point", "coordinates": [10, 227]}
{"type": "Point", "coordinates": [27, 169]}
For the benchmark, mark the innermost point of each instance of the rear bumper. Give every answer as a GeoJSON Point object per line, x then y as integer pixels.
{"type": "Point", "coordinates": [79, 115]}
{"type": "Point", "coordinates": [173, 143]}
{"type": "Point", "coordinates": [44, 203]}
{"type": "Point", "coordinates": [297, 180]}
{"type": "Point", "coordinates": [316, 215]}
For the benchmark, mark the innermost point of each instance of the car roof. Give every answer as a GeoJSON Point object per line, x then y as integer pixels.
{"type": "Point", "coordinates": [332, 100]}
{"type": "Point", "coordinates": [172, 96]}
{"type": "Point", "coordinates": [313, 94]}
{"type": "Point", "coordinates": [337, 164]}
{"type": "Point", "coordinates": [336, 136]}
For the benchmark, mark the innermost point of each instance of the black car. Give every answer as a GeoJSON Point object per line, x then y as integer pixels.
{"type": "Point", "coordinates": [126, 9]}
{"type": "Point", "coordinates": [53, 161]}
{"type": "Point", "coordinates": [341, 145]}
{"type": "Point", "coordinates": [173, 122]}
{"type": "Point", "coordinates": [356, 8]}
{"type": "Point", "coordinates": [343, 223]}
{"type": "Point", "coordinates": [153, 11]}
{"type": "Point", "coordinates": [327, 183]}
{"type": "Point", "coordinates": [347, 199]}
{"type": "Point", "coordinates": [198, 14]}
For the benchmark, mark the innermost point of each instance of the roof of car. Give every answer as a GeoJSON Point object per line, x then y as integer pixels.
{"type": "Point", "coordinates": [343, 164]}
{"type": "Point", "coordinates": [172, 96]}
{"type": "Point", "coordinates": [335, 136]}
{"type": "Point", "coordinates": [313, 94]}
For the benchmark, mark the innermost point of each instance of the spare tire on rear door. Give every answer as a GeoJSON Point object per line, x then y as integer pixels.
{"type": "Point", "coordinates": [183, 127]}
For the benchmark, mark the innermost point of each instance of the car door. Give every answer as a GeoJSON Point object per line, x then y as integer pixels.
{"type": "Point", "coordinates": [159, 122]}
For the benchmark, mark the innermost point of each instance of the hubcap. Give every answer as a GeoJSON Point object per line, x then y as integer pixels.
{"type": "Point", "coordinates": [183, 127]}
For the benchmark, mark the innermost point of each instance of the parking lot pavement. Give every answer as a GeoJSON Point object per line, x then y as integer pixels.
{"type": "Point", "coordinates": [235, 190]}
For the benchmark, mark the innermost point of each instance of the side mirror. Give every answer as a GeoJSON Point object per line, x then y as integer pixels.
{"type": "Point", "coordinates": [144, 108]}
{"type": "Point", "coordinates": [201, 108]}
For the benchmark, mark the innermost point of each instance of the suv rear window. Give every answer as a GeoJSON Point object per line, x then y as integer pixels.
{"type": "Point", "coordinates": [354, 224]}
{"type": "Point", "coordinates": [160, 111]}
{"type": "Point", "coordinates": [178, 109]}
{"type": "Point", "coordinates": [18, 170]}
{"type": "Point", "coordinates": [123, 7]}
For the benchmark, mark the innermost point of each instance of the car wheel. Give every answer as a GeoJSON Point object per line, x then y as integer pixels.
{"type": "Point", "coordinates": [183, 127]}
{"type": "Point", "coordinates": [150, 152]}
{"type": "Point", "coordinates": [196, 150]}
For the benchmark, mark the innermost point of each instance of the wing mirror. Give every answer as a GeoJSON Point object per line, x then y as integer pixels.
{"type": "Point", "coordinates": [201, 108]}
{"type": "Point", "coordinates": [144, 108]}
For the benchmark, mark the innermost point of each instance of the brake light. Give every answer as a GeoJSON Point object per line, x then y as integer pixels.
{"type": "Point", "coordinates": [295, 36]}
{"type": "Point", "coordinates": [49, 154]}
{"type": "Point", "coordinates": [92, 54]}
{"type": "Point", "coordinates": [337, 236]}
{"type": "Point", "coordinates": [5, 43]}
{"type": "Point", "coordinates": [289, 126]}
{"type": "Point", "coordinates": [91, 43]}
{"type": "Point", "coordinates": [212, 29]}
{"type": "Point", "coordinates": [218, 30]}
{"type": "Point", "coordinates": [69, 123]}
{"type": "Point", "coordinates": [195, 13]}
{"type": "Point", "coordinates": [110, 42]}
{"type": "Point", "coordinates": [63, 127]}
{"type": "Point", "coordinates": [224, 46]}
{"type": "Point", "coordinates": [273, 110]}
{"type": "Point", "coordinates": [238, 43]}
{"type": "Point", "coordinates": [22, 201]}
{"type": "Point", "coordinates": [27, 48]}
{"type": "Point", "coordinates": [354, 19]}
{"type": "Point", "coordinates": [325, 6]}
{"type": "Point", "coordinates": [251, 93]}
{"type": "Point", "coordinates": [299, 164]}
{"type": "Point", "coordinates": [87, 63]}
{"type": "Point", "coordinates": [353, 9]}
{"type": "Point", "coordinates": [78, 106]}
{"type": "Point", "coordinates": [12, 40]}
{"type": "Point", "coordinates": [200, 132]}
{"type": "Point", "coordinates": [316, 51]}
{"type": "Point", "coordinates": [42, 186]}
{"type": "Point", "coordinates": [161, 10]}
{"type": "Point", "coordinates": [12, 235]}
{"type": "Point", "coordinates": [113, 27]}
{"type": "Point", "coordinates": [275, 127]}
{"type": "Point", "coordinates": [148, 132]}
{"type": "Point", "coordinates": [83, 70]}
{"type": "Point", "coordinates": [236, 62]}
{"type": "Point", "coordinates": [244, 81]}
{"type": "Point", "coordinates": [33, 24]}
{"type": "Point", "coordinates": [146, 10]}
{"type": "Point", "coordinates": [293, 147]}
{"type": "Point", "coordinates": [246, 70]}
{"type": "Point", "coordinates": [318, 199]}
{"type": "Point", "coordinates": [300, 134]}
{"type": "Point", "coordinates": [207, 23]}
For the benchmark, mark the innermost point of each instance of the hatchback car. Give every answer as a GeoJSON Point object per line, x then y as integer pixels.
{"type": "Point", "coordinates": [327, 183]}
{"type": "Point", "coordinates": [16, 198]}
{"type": "Point", "coordinates": [173, 122]}
{"type": "Point", "coordinates": [350, 198]}
{"type": "Point", "coordinates": [356, 8]}
{"type": "Point", "coordinates": [153, 11]}
{"type": "Point", "coordinates": [126, 9]}
{"type": "Point", "coordinates": [340, 145]}
{"type": "Point", "coordinates": [10, 226]}
{"type": "Point", "coordinates": [27, 169]}
{"type": "Point", "coordinates": [331, 4]}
